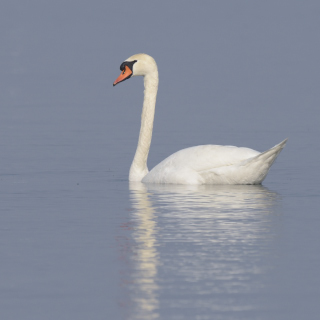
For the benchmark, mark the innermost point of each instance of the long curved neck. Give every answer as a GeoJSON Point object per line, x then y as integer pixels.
{"type": "Point", "coordinates": [139, 164]}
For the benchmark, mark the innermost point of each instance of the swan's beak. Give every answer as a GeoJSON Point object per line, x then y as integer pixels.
{"type": "Point", "coordinates": [126, 74]}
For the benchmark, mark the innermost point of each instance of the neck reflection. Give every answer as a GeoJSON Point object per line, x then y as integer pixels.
{"type": "Point", "coordinates": [145, 253]}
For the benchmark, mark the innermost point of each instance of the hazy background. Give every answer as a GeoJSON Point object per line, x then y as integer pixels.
{"type": "Point", "coordinates": [241, 73]}
{"type": "Point", "coordinates": [224, 66]}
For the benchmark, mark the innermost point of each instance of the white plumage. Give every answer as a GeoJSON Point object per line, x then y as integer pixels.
{"type": "Point", "coordinates": [207, 164]}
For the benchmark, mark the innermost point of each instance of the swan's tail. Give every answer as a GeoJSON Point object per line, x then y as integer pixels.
{"type": "Point", "coordinates": [262, 162]}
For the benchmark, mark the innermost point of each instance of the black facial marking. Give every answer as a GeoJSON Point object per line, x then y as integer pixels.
{"type": "Point", "coordinates": [129, 64]}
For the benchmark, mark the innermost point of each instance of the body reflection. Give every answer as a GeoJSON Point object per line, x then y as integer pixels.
{"type": "Point", "coordinates": [195, 244]}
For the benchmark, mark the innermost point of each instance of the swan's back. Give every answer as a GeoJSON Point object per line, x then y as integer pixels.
{"type": "Point", "coordinates": [188, 165]}
{"type": "Point", "coordinates": [214, 164]}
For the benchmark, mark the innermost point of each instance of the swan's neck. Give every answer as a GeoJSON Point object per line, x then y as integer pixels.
{"type": "Point", "coordinates": [139, 164]}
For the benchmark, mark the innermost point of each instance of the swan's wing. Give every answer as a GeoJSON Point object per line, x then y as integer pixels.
{"type": "Point", "coordinates": [206, 157]}
{"type": "Point", "coordinates": [249, 171]}
{"type": "Point", "coordinates": [214, 164]}
{"type": "Point", "coordinates": [188, 165]}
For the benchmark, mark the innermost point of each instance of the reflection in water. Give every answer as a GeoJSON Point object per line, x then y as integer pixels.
{"type": "Point", "coordinates": [145, 255]}
{"type": "Point", "coordinates": [199, 246]}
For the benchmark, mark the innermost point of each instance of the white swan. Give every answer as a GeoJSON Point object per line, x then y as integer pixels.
{"type": "Point", "coordinates": [207, 164]}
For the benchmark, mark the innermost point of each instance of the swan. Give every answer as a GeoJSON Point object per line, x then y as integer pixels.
{"type": "Point", "coordinates": [204, 164]}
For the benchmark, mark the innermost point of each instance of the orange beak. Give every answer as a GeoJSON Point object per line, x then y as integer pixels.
{"type": "Point", "coordinates": [125, 74]}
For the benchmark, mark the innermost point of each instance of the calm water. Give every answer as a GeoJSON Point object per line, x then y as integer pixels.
{"type": "Point", "coordinates": [79, 242]}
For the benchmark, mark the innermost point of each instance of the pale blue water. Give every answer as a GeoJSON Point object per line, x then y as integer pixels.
{"type": "Point", "coordinates": [77, 241]}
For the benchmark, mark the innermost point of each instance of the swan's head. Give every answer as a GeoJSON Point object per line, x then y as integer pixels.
{"type": "Point", "coordinates": [137, 65]}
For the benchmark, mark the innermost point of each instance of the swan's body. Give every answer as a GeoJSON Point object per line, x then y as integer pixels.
{"type": "Point", "coordinates": [207, 164]}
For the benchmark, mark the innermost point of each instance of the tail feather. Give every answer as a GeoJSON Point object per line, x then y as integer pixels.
{"type": "Point", "coordinates": [269, 155]}
{"type": "Point", "coordinates": [264, 161]}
